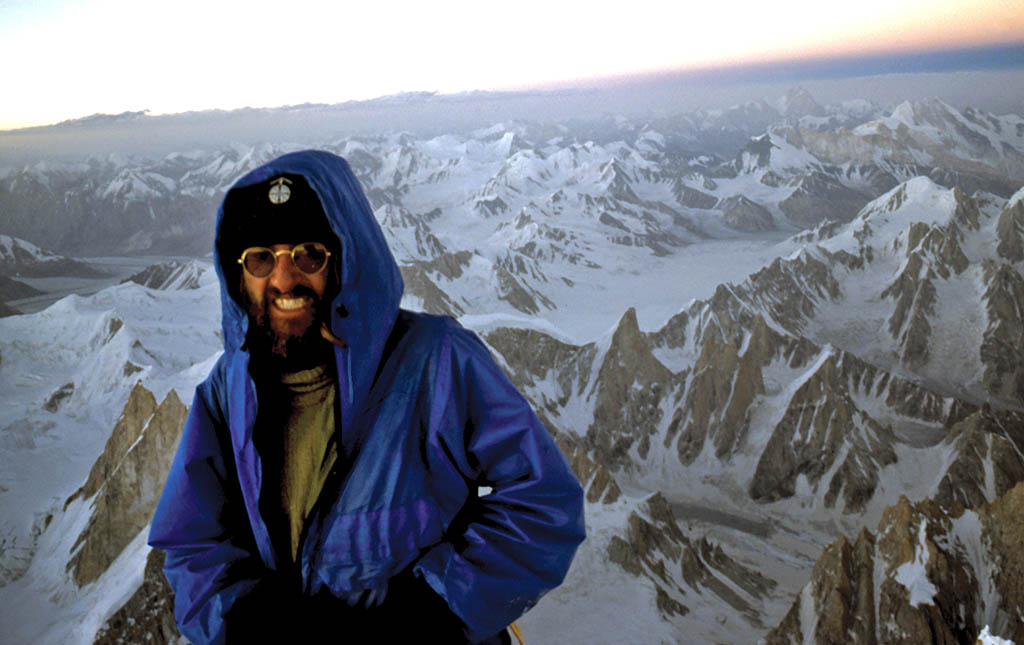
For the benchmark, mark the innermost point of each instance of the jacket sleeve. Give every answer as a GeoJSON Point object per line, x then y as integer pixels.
{"type": "Point", "coordinates": [505, 549]}
{"type": "Point", "coordinates": [201, 523]}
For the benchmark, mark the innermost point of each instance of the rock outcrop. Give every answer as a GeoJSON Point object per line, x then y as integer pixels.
{"type": "Point", "coordinates": [1002, 347]}
{"type": "Point", "coordinates": [989, 449]}
{"type": "Point", "coordinates": [148, 616]}
{"type": "Point", "coordinates": [124, 484]}
{"type": "Point", "coordinates": [683, 570]}
{"type": "Point", "coordinates": [819, 197]}
{"type": "Point", "coordinates": [748, 380]}
{"type": "Point", "coordinates": [744, 214]}
{"type": "Point", "coordinates": [626, 396]}
{"type": "Point", "coordinates": [1010, 231]}
{"type": "Point", "coordinates": [11, 289]}
{"type": "Point", "coordinates": [930, 574]}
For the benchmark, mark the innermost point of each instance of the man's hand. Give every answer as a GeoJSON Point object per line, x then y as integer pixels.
{"type": "Point", "coordinates": [411, 612]}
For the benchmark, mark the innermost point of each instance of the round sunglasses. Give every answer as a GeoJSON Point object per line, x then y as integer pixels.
{"type": "Point", "coordinates": [308, 257]}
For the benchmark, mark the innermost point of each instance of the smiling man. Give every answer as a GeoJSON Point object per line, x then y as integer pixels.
{"type": "Point", "coordinates": [284, 245]}
{"type": "Point", "coordinates": [326, 483]}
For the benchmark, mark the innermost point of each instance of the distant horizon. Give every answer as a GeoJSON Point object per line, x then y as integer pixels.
{"type": "Point", "coordinates": [82, 57]}
{"type": "Point", "coordinates": [793, 70]}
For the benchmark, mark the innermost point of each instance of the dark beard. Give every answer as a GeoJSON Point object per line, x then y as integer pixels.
{"type": "Point", "coordinates": [285, 350]}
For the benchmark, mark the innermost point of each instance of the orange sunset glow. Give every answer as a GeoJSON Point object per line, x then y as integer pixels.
{"type": "Point", "coordinates": [109, 56]}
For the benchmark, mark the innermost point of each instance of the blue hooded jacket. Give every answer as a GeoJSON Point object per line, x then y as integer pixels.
{"type": "Point", "coordinates": [426, 417]}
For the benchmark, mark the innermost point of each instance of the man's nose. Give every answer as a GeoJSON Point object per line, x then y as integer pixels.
{"type": "Point", "coordinates": [285, 274]}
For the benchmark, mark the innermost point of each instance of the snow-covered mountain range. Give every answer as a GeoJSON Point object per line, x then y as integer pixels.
{"type": "Point", "coordinates": [753, 331]}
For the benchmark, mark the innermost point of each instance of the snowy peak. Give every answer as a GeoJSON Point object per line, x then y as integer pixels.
{"type": "Point", "coordinates": [169, 275]}
{"type": "Point", "coordinates": [943, 133]}
{"type": "Point", "coordinates": [21, 258]}
{"type": "Point", "coordinates": [801, 171]}
{"type": "Point", "coordinates": [133, 185]}
{"type": "Point", "coordinates": [798, 102]}
{"type": "Point", "coordinates": [766, 377]}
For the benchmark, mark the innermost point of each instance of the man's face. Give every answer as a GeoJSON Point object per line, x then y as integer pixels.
{"type": "Point", "coordinates": [286, 305]}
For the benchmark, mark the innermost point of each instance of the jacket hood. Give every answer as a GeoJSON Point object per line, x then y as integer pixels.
{"type": "Point", "coordinates": [363, 311]}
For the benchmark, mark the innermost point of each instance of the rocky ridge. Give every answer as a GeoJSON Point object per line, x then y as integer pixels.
{"type": "Point", "coordinates": [754, 390]}
{"type": "Point", "coordinates": [169, 275]}
{"type": "Point", "coordinates": [684, 570]}
{"type": "Point", "coordinates": [126, 480]}
{"type": "Point", "coordinates": [19, 258]}
{"type": "Point", "coordinates": [148, 616]}
{"type": "Point", "coordinates": [930, 573]}
{"type": "Point", "coordinates": [538, 201]}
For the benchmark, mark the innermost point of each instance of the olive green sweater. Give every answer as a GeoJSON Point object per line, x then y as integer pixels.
{"type": "Point", "coordinates": [296, 425]}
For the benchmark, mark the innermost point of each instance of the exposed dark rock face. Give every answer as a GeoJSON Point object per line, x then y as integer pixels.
{"type": "Point", "coordinates": [598, 483]}
{"type": "Point", "coordinates": [989, 446]}
{"type": "Point", "coordinates": [435, 300]}
{"type": "Point", "coordinates": [1003, 525]}
{"type": "Point", "coordinates": [397, 221]}
{"type": "Point", "coordinates": [125, 482]}
{"type": "Point", "coordinates": [724, 384]}
{"type": "Point", "coordinates": [1002, 348]}
{"type": "Point", "coordinates": [692, 197]}
{"type": "Point", "coordinates": [812, 435]}
{"type": "Point", "coordinates": [11, 289]}
{"type": "Point", "coordinates": [6, 310]}
{"type": "Point", "coordinates": [757, 153]}
{"type": "Point", "coordinates": [139, 409]}
{"type": "Point", "coordinates": [148, 616]}
{"type": "Point", "coordinates": [915, 302]}
{"type": "Point", "coordinates": [1010, 232]}
{"type": "Point", "coordinates": [531, 355]}
{"type": "Point", "coordinates": [744, 214]}
{"type": "Point", "coordinates": [517, 293]}
{"type": "Point", "coordinates": [788, 291]}
{"type": "Point", "coordinates": [933, 253]}
{"type": "Point", "coordinates": [846, 597]}
{"type": "Point", "coordinates": [655, 547]}
{"type": "Point", "coordinates": [58, 397]}
{"type": "Point", "coordinates": [628, 389]}
{"type": "Point", "coordinates": [490, 207]}
{"type": "Point", "coordinates": [819, 197]}
{"type": "Point", "coordinates": [935, 575]}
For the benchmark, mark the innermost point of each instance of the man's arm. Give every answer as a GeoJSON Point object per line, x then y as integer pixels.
{"type": "Point", "coordinates": [508, 548]}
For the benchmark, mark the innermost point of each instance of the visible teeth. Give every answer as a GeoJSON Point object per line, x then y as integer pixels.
{"type": "Point", "coordinates": [290, 303]}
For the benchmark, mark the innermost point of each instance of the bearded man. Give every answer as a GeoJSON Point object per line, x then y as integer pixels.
{"type": "Point", "coordinates": [326, 483]}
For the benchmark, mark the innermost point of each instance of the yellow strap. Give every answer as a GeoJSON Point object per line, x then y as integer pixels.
{"type": "Point", "coordinates": [518, 633]}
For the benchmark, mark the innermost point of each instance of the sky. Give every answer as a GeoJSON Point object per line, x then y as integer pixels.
{"type": "Point", "coordinates": [73, 58]}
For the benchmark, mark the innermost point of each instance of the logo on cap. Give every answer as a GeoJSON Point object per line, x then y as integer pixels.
{"type": "Point", "coordinates": [279, 192]}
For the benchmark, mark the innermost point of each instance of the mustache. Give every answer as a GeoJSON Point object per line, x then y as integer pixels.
{"type": "Point", "coordinates": [298, 291]}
